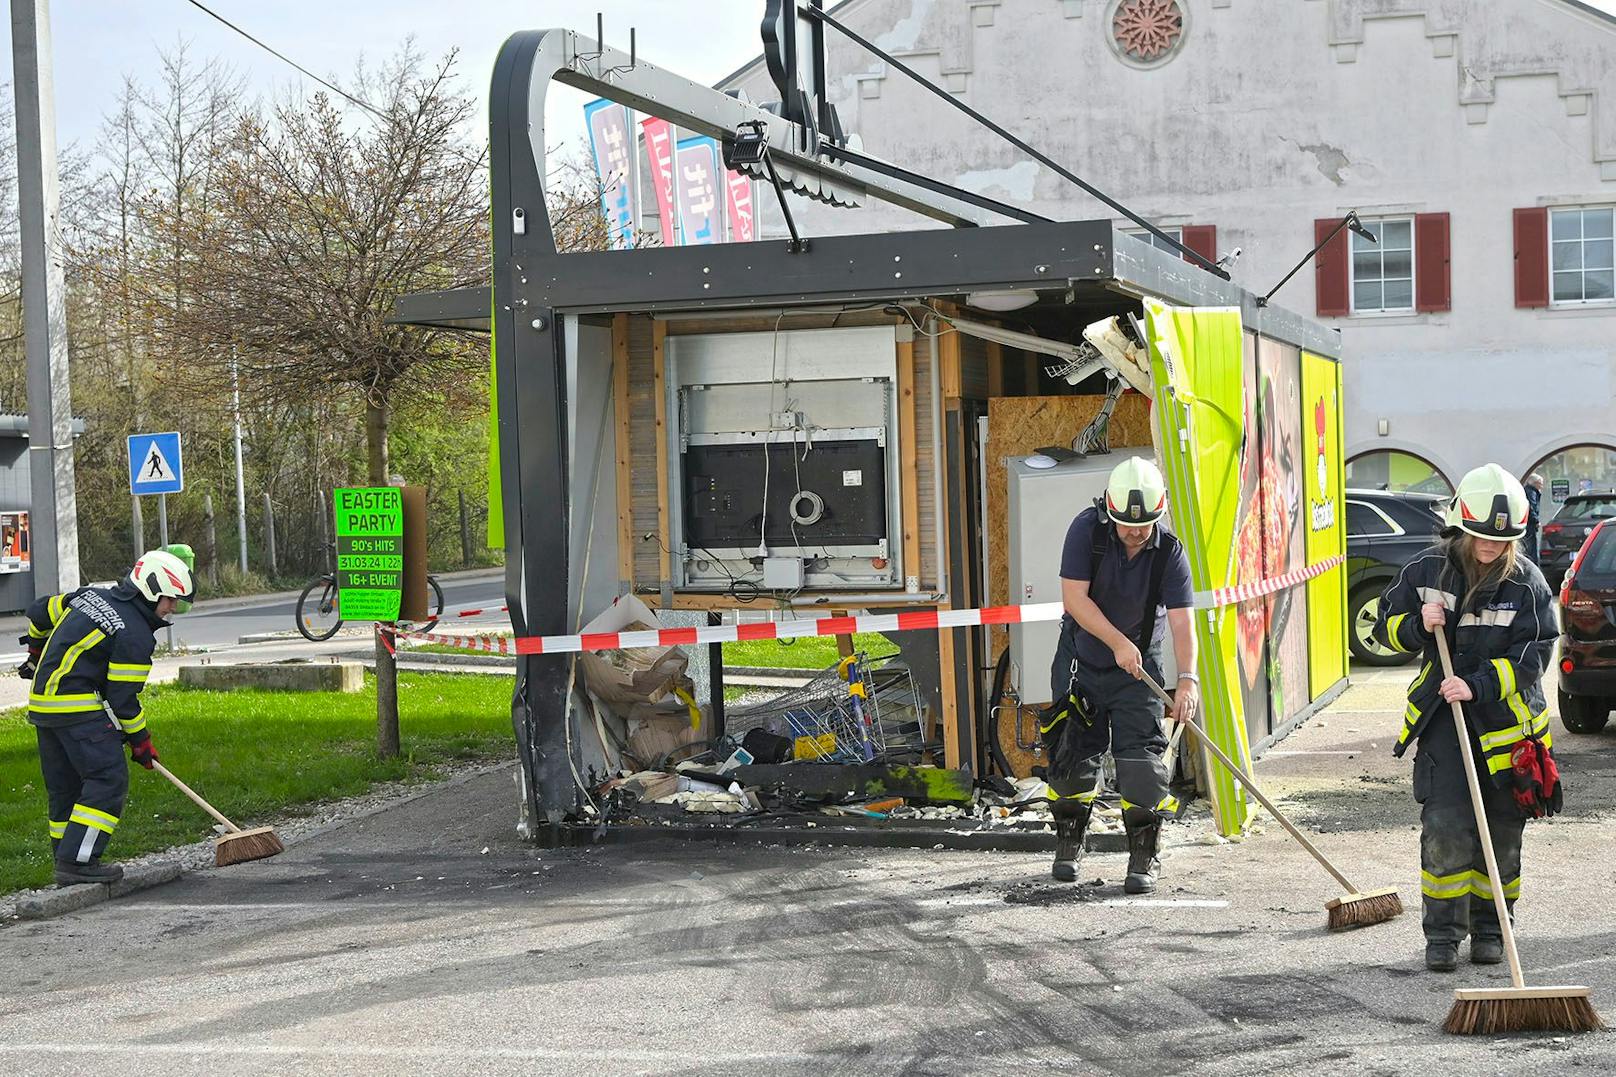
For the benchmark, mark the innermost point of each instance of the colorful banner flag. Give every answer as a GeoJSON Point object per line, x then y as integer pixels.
{"type": "Point", "coordinates": [742, 224]}
{"type": "Point", "coordinates": [659, 140]}
{"type": "Point", "coordinates": [616, 165]}
{"type": "Point", "coordinates": [697, 168]}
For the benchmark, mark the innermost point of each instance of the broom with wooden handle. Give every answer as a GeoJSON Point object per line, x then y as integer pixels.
{"type": "Point", "coordinates": [238, 846]}
{"type": "Point", "coordinates": [1491, 1010]}
{"type": "Point", "coordinates": [1355, 908]}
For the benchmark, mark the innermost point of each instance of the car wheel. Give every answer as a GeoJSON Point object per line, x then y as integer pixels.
{"type": "Point", "coordinates": [1366, 647]}
{"type": "Point", "coordinates": [1584, 714]}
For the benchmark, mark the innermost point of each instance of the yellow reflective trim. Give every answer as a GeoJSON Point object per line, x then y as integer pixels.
{"type": "Point", "coordinates": [55, 608]}
{"type": "Point", "coordinates": [93, 817]}
{"type": "Point", "coordinates": [1501, 738]}
{"type": "Point", "coordinates": [1501, 761]}
{"type": "Point", "coordinates": [1053, 722]}
{"type": "Point", "coordinates": [1506, 677]}
{"type": "Point", "coordinates": [1445, 887]}
{"type": "Point", "coordinates": [128, 678]}
{"type": "Point", "coordinates": [63, 704]}
{"type": "Point", "coordinates": [133, 725]}
{"type": "Point", "coordinates": [1425, 671]}
{"type": "Point", "coordinates": [129, 667]}
{"type": "Point", "coordinates": [1394, 625]}
{"type": "Point", "coordinates": [34, 632]}
{"type": "Point", "coordinates": [91, 638]}
{"type": "Point", "coordinates": [1482, 887]}
{"type": "Point", "coordinates": [1167, 803]}
{"type": "Point", "coordinates": [57, 829]}
{"type": "Point", "coordinates": [1050, 794]}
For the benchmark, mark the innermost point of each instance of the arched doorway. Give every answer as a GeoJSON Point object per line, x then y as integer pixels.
{"type": "Point", "coordinates": [1398, 471]}
{"type": "Point", "coordinates": [1575, 469]}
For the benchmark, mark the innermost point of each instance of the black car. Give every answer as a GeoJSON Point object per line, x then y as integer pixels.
{"type": "Point", "coordinates": [1563, 536]}
{"type": "Point", "coordinates": [1588, 633]}
{"type": "Point", "coordinates": [1384, 532]}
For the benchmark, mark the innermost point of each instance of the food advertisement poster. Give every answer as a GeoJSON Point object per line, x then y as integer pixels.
{"type": "Point", "coordinates": [14, 542]}
{"type": "Point", "coordinates": [1281, 488]}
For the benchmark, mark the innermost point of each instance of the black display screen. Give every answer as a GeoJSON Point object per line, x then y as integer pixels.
{"type": "Point", "coordinates": [723, 503]}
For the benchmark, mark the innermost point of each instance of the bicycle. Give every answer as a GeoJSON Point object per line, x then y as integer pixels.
{"type": "Point", "coordinates": [319, 622]}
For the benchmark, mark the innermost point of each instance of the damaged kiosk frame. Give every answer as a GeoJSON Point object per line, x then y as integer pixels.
{"type": "Point", "coordinates": [623, 380]}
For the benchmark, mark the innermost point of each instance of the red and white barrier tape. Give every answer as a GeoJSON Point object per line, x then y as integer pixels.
{"type": "Point", "coordinates": [672, 637]}
{"type": "Point", "coordinates": [479, 613]}
{"type": "Point", "coordinates": [1245, 592]}
{"type": "Point", "coordinates": [919, 620]}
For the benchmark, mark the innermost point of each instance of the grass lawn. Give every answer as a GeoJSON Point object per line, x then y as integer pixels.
{"type": "Point", "coordinates": [255, 754]}
{"type": "Point", "coordinates": [808, 652]}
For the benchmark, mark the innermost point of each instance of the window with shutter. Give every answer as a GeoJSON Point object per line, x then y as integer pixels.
{"type": "Point", "coordinates": [1532, 257]}
{"type": "Point", "coordinates": [1330, 267]}
{"type": "Point", "coordinates": [1433, 283]}
{"type": "Point", "coordinates": [1383, 268]}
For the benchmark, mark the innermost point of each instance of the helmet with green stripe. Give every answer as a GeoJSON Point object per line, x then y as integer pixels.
{"type": "Point", "coordinates": [159, 574]}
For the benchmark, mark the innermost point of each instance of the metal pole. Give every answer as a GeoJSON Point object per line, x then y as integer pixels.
{"type": "Point", "coordinates": [162, 539]}
{"type": "Point", "coordinates": [53, 505]}
{"type": "Point", "coordinates": [241, 485]}
{"type": "Point", "coordinates": [465, 533]}
{"type": "Point", "coordinates": [137, 525]}
{"type": "Point", "coordinates": [211, 539]}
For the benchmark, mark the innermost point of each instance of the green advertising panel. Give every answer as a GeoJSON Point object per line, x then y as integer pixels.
{"type": "Point", "coordinates": [370, 553]}
{"type": "Point", "coordinates": [1197, 360]}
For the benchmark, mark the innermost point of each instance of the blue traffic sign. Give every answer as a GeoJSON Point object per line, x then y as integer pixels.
{"type": "Point", "coordinates": [154, 464]}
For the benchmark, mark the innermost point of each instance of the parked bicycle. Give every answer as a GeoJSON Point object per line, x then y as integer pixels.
{"type": "Point", "coordinates": [319, 613]}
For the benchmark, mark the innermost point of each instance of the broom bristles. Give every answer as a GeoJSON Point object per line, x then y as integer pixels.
{"type": "Point", "coordinates": [246, 845]}
{"type": "Point", "coordinates": [1361, 910]}
{"type": "Point", "coordinates": [1530, 1012]}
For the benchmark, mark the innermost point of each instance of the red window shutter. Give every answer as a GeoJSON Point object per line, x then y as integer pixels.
{"type": "Point", "coordinates": [1433, 277]}
{"type": "Point", "coordinates": [1532, 257]}
{"type": "Point", "coordinates": [1334, 281]}
{"type": "Point", "coordinates": [1203, 240]}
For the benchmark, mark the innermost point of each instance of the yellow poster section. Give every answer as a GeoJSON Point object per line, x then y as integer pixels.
{"type": "Point", "coordinates": [1196, 357]}
{"type": "Point", "coordinates": [1325, 481]}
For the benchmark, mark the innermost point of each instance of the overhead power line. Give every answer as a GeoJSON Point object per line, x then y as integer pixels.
{"type": "Point", "coordinates": [367, 106]}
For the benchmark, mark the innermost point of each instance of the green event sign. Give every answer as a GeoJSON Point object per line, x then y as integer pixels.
{"type": "Point", "coordinates": [370, 553]}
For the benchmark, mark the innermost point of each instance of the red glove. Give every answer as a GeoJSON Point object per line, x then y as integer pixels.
{"type": "Point", "coordinates": [143, 752]}
{"type": "Point", "coordinates": [30, 665]}
{"type": "Point", "coordinates": [1536, 780]}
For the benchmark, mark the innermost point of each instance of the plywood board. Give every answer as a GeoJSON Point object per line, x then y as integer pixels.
{"type": "Point", "coordinates": [642, 440]}
{"type": "Point", "coordinates": [1021, 425]}
{"type": "Point", "coordinates": [620, 424]}
{"type": "Point", "coordinates": [659, 336]}
{"type": "Point", "coordinates": [908, 474]}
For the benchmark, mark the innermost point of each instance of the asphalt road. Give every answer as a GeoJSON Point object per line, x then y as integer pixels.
{"type": "Point", "coordinates": [430, 939]}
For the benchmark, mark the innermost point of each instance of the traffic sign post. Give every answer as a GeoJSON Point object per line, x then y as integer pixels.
{"type": "Point", "coordinates": [370, 553]}
{"type": "Point", "coordinates": [155, 467]}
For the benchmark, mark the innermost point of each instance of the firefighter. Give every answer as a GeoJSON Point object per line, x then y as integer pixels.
{"type": "Point", "coordinates": [89, 654]}
{"type": "Point", "coordinates": [1125, 580]}
{"type": "Point", "coordinates": [1499, 617]}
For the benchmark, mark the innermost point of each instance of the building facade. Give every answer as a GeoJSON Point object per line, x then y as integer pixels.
{"type": "Point", "coordinates": [1475, 138]}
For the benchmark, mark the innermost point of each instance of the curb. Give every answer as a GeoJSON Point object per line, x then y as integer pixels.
{"type": "Point", "coordinates": [47, 904]}
{"type": "Point", "coordinates": [840, 834]}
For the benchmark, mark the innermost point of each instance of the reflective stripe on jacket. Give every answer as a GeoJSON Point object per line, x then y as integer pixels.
{"type": "Point", "coordinates": [1501, 642]}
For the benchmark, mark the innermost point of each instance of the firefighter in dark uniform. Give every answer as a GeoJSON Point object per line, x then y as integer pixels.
{"type": "Point", "coordinates": [89, 654]}
{"type": "Point", "coordinates": [1125, 581]}
{"type": "Point", "coordinates": [1500, 620]}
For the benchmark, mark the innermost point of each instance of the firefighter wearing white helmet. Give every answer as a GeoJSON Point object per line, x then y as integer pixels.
{"type": "Point", "coordinates": [1477, 586]}
{"type": "Point", "coordinates": [1125, 582]}
{"type": "Point", "coordinates": [89, 654]}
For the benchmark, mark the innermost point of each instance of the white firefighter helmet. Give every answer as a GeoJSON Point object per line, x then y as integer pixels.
{"type": "Point", "coordinates": [159, 574]}
{"type": "Point", "coordinates": [1491, 504]}
{"type": "Point", "coordinates": [1136, 494]}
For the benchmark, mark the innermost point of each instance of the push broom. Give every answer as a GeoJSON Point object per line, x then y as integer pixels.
{"type": "Point", "coordinates": [1355, 908]}
{"type": "Point", "coordinates": [238, 846]}
{"type": "Point", "coordinates": [1491, 1010]}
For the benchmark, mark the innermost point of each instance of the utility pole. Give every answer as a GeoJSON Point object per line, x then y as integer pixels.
{"type": "Point", "coordinates": [241, 485]}
{"type": "Point", "coordinates": [53, 504]}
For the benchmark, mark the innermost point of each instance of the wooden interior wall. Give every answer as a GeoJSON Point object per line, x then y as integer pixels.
{"type": "Point", "coordinates": [1018, 426]}
{"type": "Point", "coordinates": [642, 440]}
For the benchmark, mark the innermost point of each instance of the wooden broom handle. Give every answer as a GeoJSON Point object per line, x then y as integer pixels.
{"type": "Point", "coordinates": [1480, 808]}
{"type": "Point", "coordinates": [188, 791]}
{"type": "Point", "coordinates": [1245, 780]}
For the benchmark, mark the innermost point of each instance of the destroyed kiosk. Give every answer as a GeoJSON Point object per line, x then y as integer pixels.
{"type": "Point", "coordinates": [770, 438]}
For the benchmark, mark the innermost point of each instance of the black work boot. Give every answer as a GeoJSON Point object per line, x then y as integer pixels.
{"type": "Point", "coordinates": [1069, 830]}
{"type": "Point", "coordinates": [1142, 862]}
{"type": "Point", "coordinates": [1441, 956]}
{"type": "Point", "coordinates": [1486, 950]}
{"type": "Point", "coordinates": [70, 873]}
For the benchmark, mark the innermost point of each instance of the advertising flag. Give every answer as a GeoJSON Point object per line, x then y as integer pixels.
{"type": "Point", "coordinates": [697, 178]}
{"type": "Point", "coordinates": [616, 165]}
{"type": "Point", "coordinates": [659, 140]}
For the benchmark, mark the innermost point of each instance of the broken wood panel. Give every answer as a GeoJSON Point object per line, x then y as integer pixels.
{"type": "Point", "coordinates": [620, 428]}
{"type": "Point", "coordinates": [659, 336]}
{"type": "Point", "coordinates": [926, 477]}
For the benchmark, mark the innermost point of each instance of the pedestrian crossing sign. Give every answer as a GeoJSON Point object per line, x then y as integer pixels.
{"type": "Point", "coordinates": [154, 464]}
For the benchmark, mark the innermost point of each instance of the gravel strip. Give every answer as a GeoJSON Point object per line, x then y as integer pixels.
{"type": "Point", "coordinates": [309, 821]}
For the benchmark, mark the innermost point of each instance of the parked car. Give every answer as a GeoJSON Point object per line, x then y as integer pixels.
{"type": "Point", "coordinates": [1563, 536]}
{"type": "Point", "coordinates": [1588, 633]}
{"type": "Point", "coordinates": [1384, 532]}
